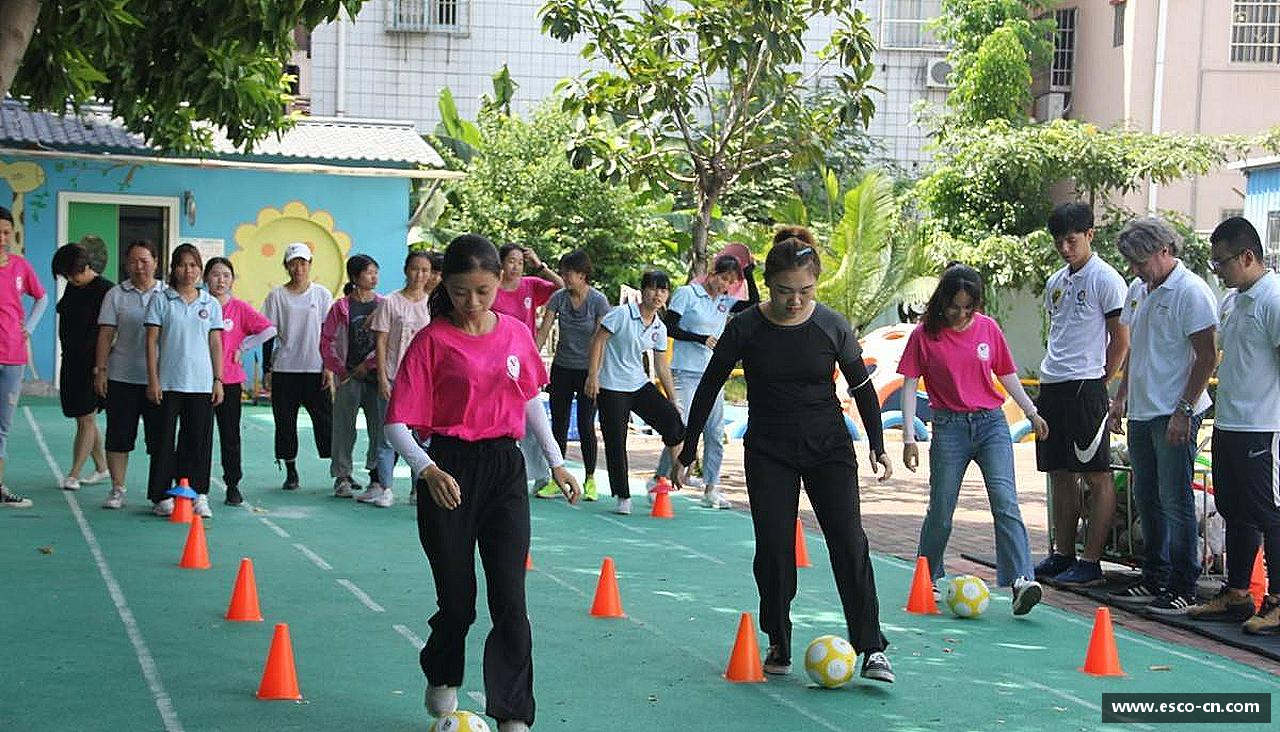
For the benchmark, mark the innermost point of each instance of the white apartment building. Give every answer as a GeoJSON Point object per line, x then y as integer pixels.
{"type": "Point", "coordinates": [392, 60]}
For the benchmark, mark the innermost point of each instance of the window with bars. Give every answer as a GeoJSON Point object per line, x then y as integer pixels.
{"type": "Point", "coordinates": [427, 16]}
{"type": "Point", "coordinates": [904, 24]}
{"type": "Point", "coordinates": [1117, 26]}
{"type": "Point", "coordinates": [1255, 31]}
{"type": "Point", "coordinates": [1273, 237]}
{"type": "Point", "coordinates": [1064, 50]}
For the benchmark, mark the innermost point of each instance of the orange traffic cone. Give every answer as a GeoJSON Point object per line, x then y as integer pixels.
{"type": "Point", "coordinates": [662, 506]}
{"type": "Point", "coordinates": [195, 555]}
{"type": "Point", "coordinates": [802, 549]}
{"type": "Point", "coordinates": [608, 602]}
{"type": "Point", "coordinates": [744, 661]}
{"type": "Point", "coordinates": [244, 598]}
{"type": "Point", "coordinates": [181, 510]}
{"type": "Point", "coordinates": [528, 561]}
{"type": "Point", "coordinates": [1258, 581]}
{"type": "Point", "coordinates": [1101, 659]}
{"type": "Point", "coordinates": [280, 678]}
{"type": "Point", "coordinates": [921, 601]}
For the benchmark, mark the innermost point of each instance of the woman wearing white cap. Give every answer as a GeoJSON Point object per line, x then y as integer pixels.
{"type": "Point", "coordinates": [295, 374]}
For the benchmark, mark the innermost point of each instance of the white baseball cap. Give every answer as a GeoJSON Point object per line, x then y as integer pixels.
{"type": "Point", "coordinates": [297, 250]}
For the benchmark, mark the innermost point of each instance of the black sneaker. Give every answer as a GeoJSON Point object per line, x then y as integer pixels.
{"type": "Point", "coordinates": [776, 663]}
{"type": "Point", "coordinates": [1053, 565]}
{"type": "Point", "coordinates": [1137, 593]}
{"type": "Point", "coordinates": [10, 500]}
{"type": "Point", "coordinates": [233, 496]}
{"type": "Point", "coordinates": [876, 666]}
{"type": "Point", "coordinates": [291, 483]}
{"type": "Point", "coordinates": [1171, 603]}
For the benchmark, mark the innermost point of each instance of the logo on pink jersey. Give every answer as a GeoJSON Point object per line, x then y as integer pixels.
{"type": "Point", "coordinates": [513, 366]}
{"type": "Point", "coordinates": [528, 303]}
{"type": "Point", "coordinates": [984, 352]}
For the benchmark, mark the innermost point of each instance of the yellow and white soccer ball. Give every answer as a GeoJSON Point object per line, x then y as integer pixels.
{"type": "Point", "coordinates": [968, 596]}
{"type": "Point", "coordinates": [460, 721]}
{"type": "Point", "coordinates": [830, 661]}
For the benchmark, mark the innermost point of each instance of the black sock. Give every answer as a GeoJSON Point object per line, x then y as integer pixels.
{"type": "Point", "coordinates": [373, 476]}
{"type": "Point", "coordinates": [291, 469]}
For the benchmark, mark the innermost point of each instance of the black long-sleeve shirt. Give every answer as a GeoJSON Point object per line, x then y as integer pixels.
{"type": "Point", "coordinates": [789, 371]}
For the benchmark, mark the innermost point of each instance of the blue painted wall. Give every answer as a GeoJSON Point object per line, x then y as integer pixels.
{"type": "Point", "coordinates": [373, 212]}
{"type": "Point", "coordinates": [1262, 198]}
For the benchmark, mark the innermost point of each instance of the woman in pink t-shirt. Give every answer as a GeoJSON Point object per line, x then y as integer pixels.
{"type": "Point", "coordinates": [469, 383]}
{"type": "Point", "coordinates": [243, 329]}
{"type": "Point", "coordinates": [17, 278]}
{"type": "Point", "coordinates": [957, 350]}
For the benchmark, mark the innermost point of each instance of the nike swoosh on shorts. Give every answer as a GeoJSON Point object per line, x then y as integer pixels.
{"type": "Point", "coordinates": [1258, 453]}
{"type": "Point", "coordinates": [1088, 454]}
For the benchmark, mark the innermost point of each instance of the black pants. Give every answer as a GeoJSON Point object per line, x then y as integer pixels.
{"type": "Point", "coordinates": [125, 403]}
{"type": "Point", "coordinates": [494, 514]}
{"type": "Point", "coordinates": [288, 393]}
{"type": "Point", "coordinates": [830, 474]}
{"type": "Point", "coordinates": [186, 418]}
{"type": "Point", "coordinates": [1246, 493]}
{"type": "Point", "coordinates": [227, 415]}
{"type": "Point", "coordinates": [566, 384]}
{"type": "Point", "coordinates": [615, 411]}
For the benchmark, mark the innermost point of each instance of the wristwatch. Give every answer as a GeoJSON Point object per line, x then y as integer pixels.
{"type": "Point", "coordinates": [1186, 407]}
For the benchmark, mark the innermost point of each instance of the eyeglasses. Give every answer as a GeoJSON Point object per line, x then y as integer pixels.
{"type": "Point", "coordinates": [1217, 264]}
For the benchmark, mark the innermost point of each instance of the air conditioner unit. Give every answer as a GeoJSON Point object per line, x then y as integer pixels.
{"type": "Point", "coordinates": [1051, 106]}
{"type": "Point", "coordinates": [937, 74]}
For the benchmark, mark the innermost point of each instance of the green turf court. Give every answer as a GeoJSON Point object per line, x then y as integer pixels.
{"type": "Point", "coordinates": [105, 632]}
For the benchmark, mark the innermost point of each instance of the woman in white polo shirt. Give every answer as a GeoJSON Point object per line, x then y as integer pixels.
{"type": "Point", "coordinates": [184, 377]}
{"type": "Point", "coordinates": [695, 319]}
{"type": "Point", "coordinates": [296, 376]}
{"type": "Point", "coordinates": [120, 365]}
{"type": "Point", "coordinates": [616, 380]}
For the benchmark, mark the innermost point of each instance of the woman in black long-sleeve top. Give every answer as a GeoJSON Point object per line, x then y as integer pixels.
{"type": "Point", "coordinates": [789, 347]}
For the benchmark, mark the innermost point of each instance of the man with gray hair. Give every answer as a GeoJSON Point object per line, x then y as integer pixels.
{"type": "Point", "coordinates": [1172, 316]}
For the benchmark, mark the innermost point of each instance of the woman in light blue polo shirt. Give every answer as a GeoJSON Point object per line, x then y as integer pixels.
{"type": "Point", "coordinates": [695, 319]}
{"type": "Point", "coordinates": [184, 377]}
{"type": "Point", "coordinates": [616, 379]}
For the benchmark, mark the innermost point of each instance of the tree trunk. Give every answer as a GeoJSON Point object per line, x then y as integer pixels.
{"type": "Point", "coordinates": [701, 229]}
{"type": "Point", "coordinates": [17, 23]}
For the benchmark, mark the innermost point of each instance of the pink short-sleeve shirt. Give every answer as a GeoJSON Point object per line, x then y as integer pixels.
{"type": "Point", "coordinates": [239, 321]}
{"type": "Point", "coordinates": [957, 366]}
{"type": "Point", "coordinates": [523, 302]}
{"type": "Point", "coordinates": [17, 278]}
{"type": "Point", "coordinates": [473, 387]}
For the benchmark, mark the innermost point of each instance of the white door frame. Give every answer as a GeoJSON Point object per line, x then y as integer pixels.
{"type": "Point", "coordinates": [171, 204]}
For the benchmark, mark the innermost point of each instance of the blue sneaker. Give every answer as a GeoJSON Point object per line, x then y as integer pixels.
{"type": "Point", "coordinates": [1054, 565]}
{"type": "Point", "coordinates": [1082, 574]}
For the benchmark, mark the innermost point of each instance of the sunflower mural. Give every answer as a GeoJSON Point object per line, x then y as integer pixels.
{"type": "Point", "coordinates": [259, 257]}
{"type": "Point", "coordinates": [23, 178]}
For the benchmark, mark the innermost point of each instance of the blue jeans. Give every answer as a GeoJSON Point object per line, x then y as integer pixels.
{"type": "Point", "coordinates": [10, 388]}
{"type": "Point", "coordinates": [386, 454]}
{"type": "Point", "coordinates": [983, 436]}
{"type": "Point", "coordinates": [1162, 489]}
{"type": "Point", "coordinates": [712, 432]}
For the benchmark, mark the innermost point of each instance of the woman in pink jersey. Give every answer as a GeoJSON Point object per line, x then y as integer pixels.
{"type": "Point", "coordinates": [957, 350]}
{"type": "Point", "coordinates": [17, 278]}
{"type": "Point", "coordinates": [243, 329]}
{"type": "Point", "coordinates": [469, 383]}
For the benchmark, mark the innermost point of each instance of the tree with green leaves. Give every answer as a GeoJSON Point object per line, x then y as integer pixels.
{"type": "Point", "coordinates": [692, 97]}
{"type": "Point", "coordinates": [997, 85]}
{"type": "Point", "coordinates": [168, 70]}
{"type": "Point", "coordinates": [965, 24]}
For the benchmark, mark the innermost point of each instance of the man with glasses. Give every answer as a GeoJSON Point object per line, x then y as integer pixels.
{"type": "Point", "coordinates": [1172, 315]}
{"type": "Point", "coordinates": [1246, 430]}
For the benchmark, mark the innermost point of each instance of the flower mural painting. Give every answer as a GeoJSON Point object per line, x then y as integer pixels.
{"type": "Point", "coordinates": [258, 258]}
{"type": "Point", "coordinates": [23, 178]}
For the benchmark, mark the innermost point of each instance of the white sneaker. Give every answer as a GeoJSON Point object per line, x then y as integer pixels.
{"type": "Point", "coordinates": [115, 499]}
{"type": "Point", "coordinates": [624, 507]}
{"type": "Point", "coordinates": [693, 481]}
{"type": "Point", "coordinates": [1026, 594]}
{"type": "Point", "coordinates": [384, 499]}
{"type": "Point", "coordinates": [442, 700]}
{"type": "Point", "coordinates": [513, 725]}
{"type": "Point", "coordinates": [70, 484]}
{"type": "Point", "coordinates": [370, 494]}
{"type": "Point", "coordinates": [650, 485]}
{"type": "Point", "coordinates": [201, 507]}
{"type": "Point", "coordinates": [342, 488]}
{"type": "Point", "coordinates": [713, 498]}
{"type": "Point", "coordinates": [96, 476]}
{"type": "Point", "coordinates": [163, 507]}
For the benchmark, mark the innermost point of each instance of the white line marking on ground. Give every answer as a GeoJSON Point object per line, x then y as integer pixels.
{"type": "Point", "coordinates": [315, 558]}
{"type": "Point", "coordinates": [362, 596]}
{"type": "Point", "coordinates": [1076, 700]}
{"type": "Point", "coordinates": [272, 525]}
{"type": "Point", "coordinates": [149, 671]}
{"type": "Point", "coordinates": [409, 635]}
{"type": "Point", "coordinates": [773, 695]}
{"type": "Point", "coordinates": [616, 522]}
{"type": "Point", "coordinates": [1162, 647]}
{"type": "Point", "coordinates": [478, 698]}
{"type": "Point", "coordinates": [668, 542]}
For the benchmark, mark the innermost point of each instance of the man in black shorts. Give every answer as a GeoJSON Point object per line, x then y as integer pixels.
{"type": "Point", "coordinates": [1087, 344]}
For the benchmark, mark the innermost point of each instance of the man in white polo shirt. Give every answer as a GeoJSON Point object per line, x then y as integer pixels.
{"type": "Point", "coordinates": [1246, 430]}
{"type": "Point", "coordinates": [1172, 315]}
{"type": "Point", "coordinates": [1087, 344]}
